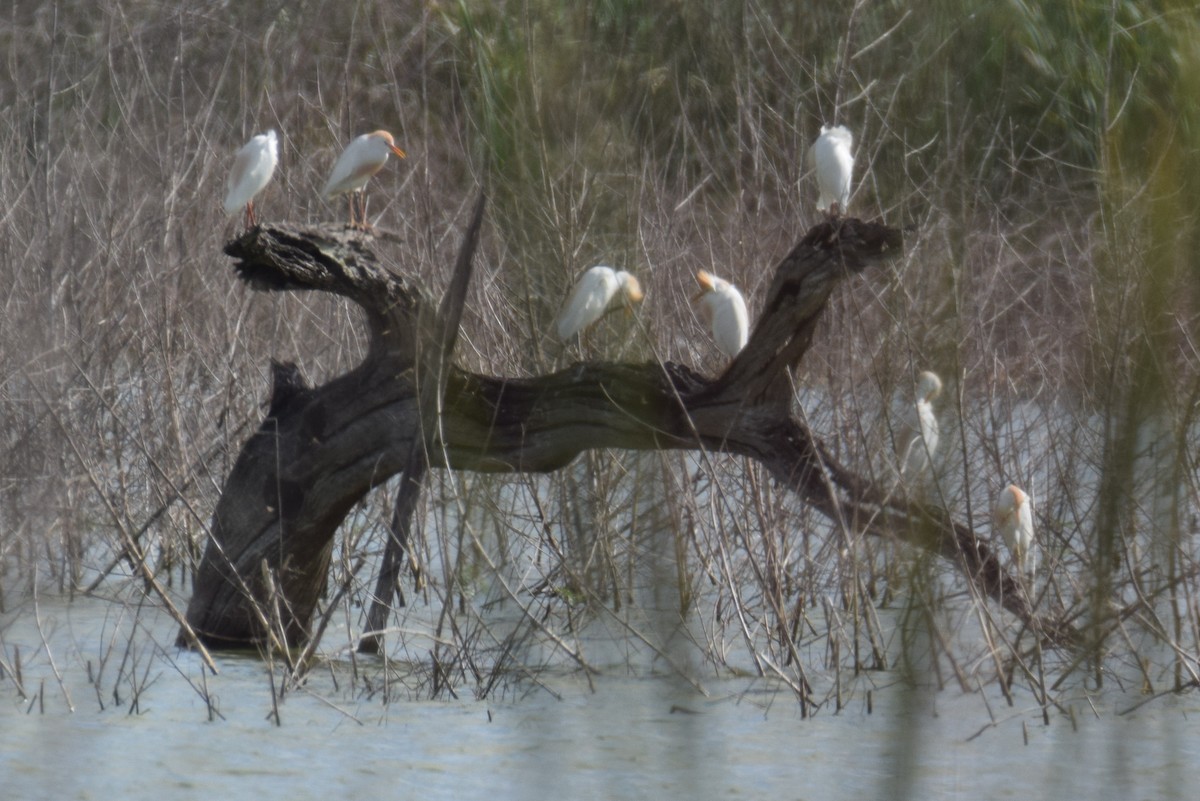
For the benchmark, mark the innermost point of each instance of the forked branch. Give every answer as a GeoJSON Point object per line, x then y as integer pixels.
{"type": "Point", "coordinates": [321, 449]}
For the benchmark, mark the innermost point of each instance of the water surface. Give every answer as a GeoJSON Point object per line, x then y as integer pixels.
{"type": "Point", "coordinates": [621, 736]}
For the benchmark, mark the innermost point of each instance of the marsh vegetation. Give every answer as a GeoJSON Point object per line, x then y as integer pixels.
{"type": "Point", "coordinates": [1042, 158]}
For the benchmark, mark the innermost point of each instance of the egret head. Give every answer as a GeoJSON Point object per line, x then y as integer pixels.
{"type": "Point", "coordinates": [388, 140]}
{"type": "Point", "coordinates": [707, 281]}
{"type": "Point", "coordinates": [1008, 504]}
{"type": "Point", "coordinates": [840, 134]}
{"type": "Point", "coordinates": [630, 287]}
{"type": "Point", "coordinates": [929, 386]}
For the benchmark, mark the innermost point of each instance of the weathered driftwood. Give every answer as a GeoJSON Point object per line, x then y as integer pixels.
{"type": "Point", "coordinates": [320, 449]}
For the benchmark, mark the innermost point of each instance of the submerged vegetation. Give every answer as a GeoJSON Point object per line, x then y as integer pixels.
{"type": "Point", "coordinates": [1044, 158]}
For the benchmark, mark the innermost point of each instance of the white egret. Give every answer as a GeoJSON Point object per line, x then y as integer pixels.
{"type": "Point", "coordinates": [361, 159]}
{"type": "Point", "coordinates": [725, 309]}
{"type": "Point", "coordinates": [591, 295]}
{"type": "Point", "coordinates": [830, 156]}
{"type": "Point", "coordinates": [920, 440]}
{"type": "Point", "coordinates": [253, 167]}
{"type": "Point", "coordinates": [1013, 515]}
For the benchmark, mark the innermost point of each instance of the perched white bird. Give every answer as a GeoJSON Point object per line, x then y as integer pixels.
{"type": "Point", "coordinates": [253, 167]}
{"type": "Point", "coordinates": [1013, 515]}
{"type": "Point", "coordinates": [361, 159]}
{"type": "Point", "coordinates": [591, 295]}
{"type": "Point", "coordinates": [920, 441]}
{"type": "Point", "coordinates": [830, 156]}
{"type": "Point", "coordinates": [725, 309]}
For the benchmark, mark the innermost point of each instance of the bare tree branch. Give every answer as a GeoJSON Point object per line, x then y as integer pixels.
{"type": "Point", "coordinates": [321, 449]}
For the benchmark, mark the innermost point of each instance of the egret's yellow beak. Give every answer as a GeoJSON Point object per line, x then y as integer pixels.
{"type": "Point", "coordinates": [399, 153]}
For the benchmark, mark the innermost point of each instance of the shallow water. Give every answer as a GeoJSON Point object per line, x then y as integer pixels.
{"type": "Point", "coordinates": [624, 737]}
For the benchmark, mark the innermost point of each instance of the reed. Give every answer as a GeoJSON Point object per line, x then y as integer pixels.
{"type": "Point", "coordinates": [1049, 178]}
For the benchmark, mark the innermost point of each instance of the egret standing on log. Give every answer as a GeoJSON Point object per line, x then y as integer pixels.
{"type": "Point", "coordinates": [253, 167]}
{"type": "Point", "coordinates": [921, 440]}
{"type": "Point", "coordinates": [830, 156]}
{"type": "Point", "coordinates": [591, 295]}
{"type": "Point", "coordinates": [725, 309]}
{"type": "Point", "coordinates": [364, 157]}
{"type": "Point", "coordinates": [1013, 515]}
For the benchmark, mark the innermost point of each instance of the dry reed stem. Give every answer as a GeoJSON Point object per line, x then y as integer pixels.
{"type": "Point", "coordinates": [119, 321]}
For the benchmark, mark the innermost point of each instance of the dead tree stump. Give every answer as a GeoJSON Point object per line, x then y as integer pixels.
{"type": "Point", "coordinates": [321, 449]}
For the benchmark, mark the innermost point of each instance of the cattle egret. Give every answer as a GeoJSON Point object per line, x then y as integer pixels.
{"type": "Point", "coordinates": [830, 156]}
{"type": "Point", "coordinates": [252, 169]}
{"type": "Point", "coordinates": [591, 295]}
{"type": "Point", "coordinates": [921, 439]}
{"type": "Point", "coordinates": [1013, 515]}
{"type": "Point", "coordinates": [364, 157]}
{"type": "Point", "coordinates": [725, 309]}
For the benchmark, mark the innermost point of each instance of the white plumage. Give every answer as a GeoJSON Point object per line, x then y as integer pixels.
{"type": "Point", "coordinates": [253, 166]}
{"type": "Point", "coordinates": [1013, 516]}
{"type": "Point", "coordinates": [591, 295]}
{"type": "Point", "coordinates": [919, 442]}
{"type": "Point", "coordinates": [361, 159]}
{"type": "Point", "coordinates": [833, 162]}
{"type": "Point", "coordinates": [725, 309]}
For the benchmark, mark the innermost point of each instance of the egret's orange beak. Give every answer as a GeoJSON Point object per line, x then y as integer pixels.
{"type": "Point", "coordinates": [399, 153]}
{"type": "Point", "coordinates": [706, 285]}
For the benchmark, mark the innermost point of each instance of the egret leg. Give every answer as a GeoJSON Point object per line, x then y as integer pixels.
{"type": "Point", "coordinates": [351, 196]}
{"type": "Point", "coordinates": [362, 210]}
{"type": "Point", "coordinates": [250, 221]}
